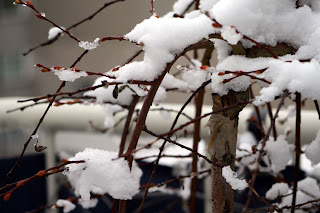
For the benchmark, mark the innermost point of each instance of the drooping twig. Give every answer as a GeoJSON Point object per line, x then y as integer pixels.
{"type": "Point", "coordinates": [40, 174]}
{"type": "Point", "coordinates": [48, 42]}
{"type": "Point", "coordinates": [298, 150]}
{"type": "Point", "coordinates": [41, 16]}
{"type": "Point", "coordinates": [164, 143]}
{"type": "Point", "coordinates": [39, 124]}
{"type": "Point", "coordinates": [94, 14]}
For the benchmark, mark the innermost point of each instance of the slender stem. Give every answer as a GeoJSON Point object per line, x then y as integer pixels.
{"type": "Point", "coordinates": [298, 150]}
{"type": "Point", "coordinates": [274, 129]}
{"type": "Point", "coordinates": [263, 143]}
{"type": "Point", "coordinates": [39, 124]}
{"type": "Point", "coordinates": [258, 114]}
{"type": "Point", "coordinates": [125, 131]}
{"type": "Point", "coordinates": [164, 143]}
{"type": "Point", "coordinates": [197, 131]}
{"type": "Point", "coordinates": [196, 138]}
{"type": "Point", "coordinates": [317, 107]}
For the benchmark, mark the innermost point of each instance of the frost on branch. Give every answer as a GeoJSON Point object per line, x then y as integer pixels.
{"type": "Point", "coordinates": [102, 174]}
{"type": "Point", "coordinates": [279, 153]}
{"type": "Point", "coordinates": [89, 45]}
{"type": "Point", "coordinates": [232, 179]}
{"type": "Point", "coordinates": [312, 150]}
{"type": "Point", "coordinates": [68, 74]}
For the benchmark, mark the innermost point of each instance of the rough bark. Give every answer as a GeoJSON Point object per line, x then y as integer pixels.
{"type": "Point", "coordinates": [222, 146]}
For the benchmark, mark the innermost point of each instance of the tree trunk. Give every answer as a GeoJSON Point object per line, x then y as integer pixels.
{"type": "Point", "coordinates": [222, 146]}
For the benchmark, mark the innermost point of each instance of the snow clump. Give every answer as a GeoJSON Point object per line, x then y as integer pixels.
{"type": "Point", "coordinates": [103, 173]}
{"type": "Point", "coordinates": [232, 179]}
{"type": "Point", "coordinates": [89, 45]}
{"type": "Point", "coordinates": [313, 149]}
{"type": "Point", "coordinates": [277, 189]}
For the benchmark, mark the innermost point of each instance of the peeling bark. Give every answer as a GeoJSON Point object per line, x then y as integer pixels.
{"type": "Point", "coordinates": [222, 146]}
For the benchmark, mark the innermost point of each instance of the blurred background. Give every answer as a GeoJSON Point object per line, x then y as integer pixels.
{"type": "Point", "coordinates": [21, 30]}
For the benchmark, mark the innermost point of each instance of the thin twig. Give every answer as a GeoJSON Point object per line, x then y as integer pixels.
{"type": "Point", "coordinates": [317, 107]}
{"type": "Point", "coordinates": [39, 124]}
{"type": "Point", "coordinates": [164, 143]}
{"type": "Point", "coordinates": [298, 150]}
{"type": "Point", "coordinates": [263, 144]}
{"type": "Point", "coordinates": [274, 129]}
{"type": "Point", "coordinates": [48, 42]}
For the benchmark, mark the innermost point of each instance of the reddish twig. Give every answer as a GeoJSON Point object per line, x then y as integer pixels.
{"type": "Point", "coordinates": [48, 42]}
{"type": "Point", "coordinates": [94, 14]}
{"type": "Point", "coordinates": [42, 173]}
{"type": "Point", "coordinates": [218, 25]}
{"type": "Point", "coordinates": [41, 16]}
{"type": "Point", "coordinates": [263, 144]}
{"type": "Point", "coordinates": [39, 124]}
{"type": "Point", "coordinates": [241, 73]}
{"type": "Point", "coordinates": [164, 143]}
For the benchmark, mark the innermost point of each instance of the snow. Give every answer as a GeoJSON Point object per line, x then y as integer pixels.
{"type": "Point", "coordinates": [88, 204]}
{"type": "Point", "coordinates": [232, 179]}
{"type": "Point", "coordinates": [160, 96]}
{"type": "Point", "coordinates": [53, 32]}
{"type": "Point", "coordinates": [195, 77]}
{"type": "Point", "coordinates": [279, 153]}
{"type": "Point", "coordinates": [223, 49]}
{"type": "Point", "coordinates": [230, 35]}
{"type": "Point", "coordinates": [180, 6]}
{"type": "Point", "coordinates": [104, 94]}
{"type": "Point", "coordinates": [295, 76]}
{"type": "Point", "coordinates": [276, 190]}
{"type": "Point", "coordinates": [313, 149]}
{"type": "Point", "coordinates": [170, 82]}
{"type": "Point", "coordinates": [101, 174]}
{"type": "Point", "coordinates": [245, 141]}
{"type": "Point", "coordinates": [307, 190]}
{"type": "Point", "coordinates": [309, 186]}
{"type": "Point", "coordinates": [266, 21]}
{"type": "Point", "coordinates": [89, 45]}
{"type": "Point", "coordinates": [162, 39]}
{"type": "Point", "coordinates": [301, 198]}
{"type": "Point", "coordinates": [206, 5]}
{"type": "Point", "coordinates": [68, 74]}
{"type": "Point", "coordinates": [66, 204]}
